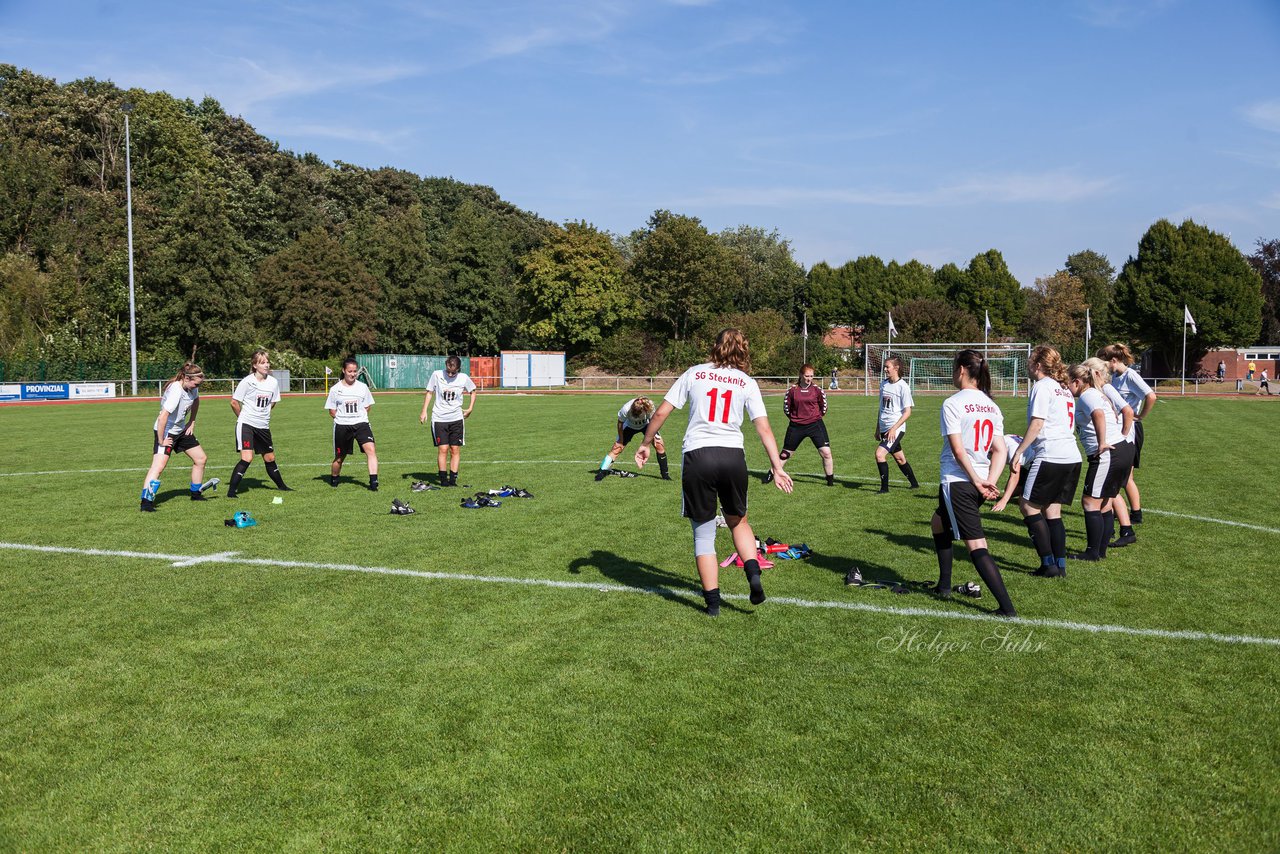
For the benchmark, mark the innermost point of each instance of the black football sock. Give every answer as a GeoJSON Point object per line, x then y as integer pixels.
{"type": "Point", "coordinates": [1058, 538]}
{"type": "Point", "coordinates": [333, 480]}
{"type": "Point", "coordinates": [752, 569]}
{"type": "Point", "coordinates": [1093, 532]}
{"type": "Point", "coordinates": [712, 598]}
{"type": "Point", "coordinates": [884, 475]}
{"type": "Point", "coordinates": [662, 466]}
{"type": "Point", "coordinates": [1135, 516]}
{"type": "Point", "coordinates": [273, 472]}
{"type": "Point", "coordinates": [444, 477]}
{"type": "Point", "coordinates": [373, 481]}
{"type": "Point", "coordinates": [986, 566]}
{"type": "Point", "coordinates": [944, 545]}
{"type": "Point", "coordinates": [911, 476]}
{"type": "Point", "coordinates": [1039, 530]}
{"type": "Point", "coordinates": [1126, 530]}
{"type": "Point", "coordinates": [831, 480]}
{"type": "Point", "coordinates": [453, 478]}
{"type": "Point", "coordinates": [241, 468]}
{"type": "Point", "coordinates": [1108, 532]}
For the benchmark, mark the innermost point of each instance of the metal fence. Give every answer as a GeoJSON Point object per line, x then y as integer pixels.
{"type": "Point", "coordinates": [659, 384]}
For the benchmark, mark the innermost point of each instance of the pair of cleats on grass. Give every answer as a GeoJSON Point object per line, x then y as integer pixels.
{"type": "Point", "coordinates": [853, 578]}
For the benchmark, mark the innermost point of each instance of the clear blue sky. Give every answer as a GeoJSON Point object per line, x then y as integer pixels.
{"type": "Point", "coordinates": [928, 130]}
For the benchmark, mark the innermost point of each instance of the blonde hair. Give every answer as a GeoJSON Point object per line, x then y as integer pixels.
{"type": "Point", "coordinates": [257, 354]}
{"type": "Point", "coordinates": [1081, 373]}
{"type": "Point", "coordinates": [731, 350]}
{"type": "Point", "coordinates": [1050, 363]}
{"type": "Point", "coordinates": [641, 407]}
{"type": "Point", "coordinates": [1099, 369]}
{"type": "Point", "coordinates": [1116, 351]}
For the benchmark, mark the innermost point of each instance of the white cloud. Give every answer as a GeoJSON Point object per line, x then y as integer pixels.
{"type": "Point", "coordinates": [1119, 14]}
{"type": "Point", "coordinates": [1048, 187]}
{"type": "Point", "coordinates": [1265, 114]}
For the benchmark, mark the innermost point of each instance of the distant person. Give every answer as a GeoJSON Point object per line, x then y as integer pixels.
{"type": "Point", "coordinates": [448, 418]}
{"type": "Point", "coordinates": [1222, 371]}
{"type": "Point", "coordinates": [1253, 366]}
{"type": "Point", "coordinates": [1051, 480]}
{"type": "Point", "coordinates": [174, 430]}
{"type": "Point", "coordinates": [633, 417]}
{"type": "Point", "coordinates": [896, 403]}
{"type": "Point", "coordinates": [1264, 387]}
{"type": "Point", "coordinates": [835, 380]}
{"type": "Point", "coordinates": [714, 464]}
{"type": "Point", "coordinates": [252, 402]}
{"type": "Point", "coordinates": [1140, 397]}
{"type": "Point", "coordinates": [805, 404]}
{"type": "Point", "coordinates": [348, 404]}
{"type": "Point", "coordinates": [972, 448]}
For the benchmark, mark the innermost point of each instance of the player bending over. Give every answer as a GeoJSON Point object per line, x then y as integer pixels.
{"type": "Point", "coordinates": [633, 418]}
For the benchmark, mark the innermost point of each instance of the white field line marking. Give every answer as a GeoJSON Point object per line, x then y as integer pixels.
{"type": "Point", "coordinates": [1207, 519]}
{"type": "Point", "coordinates": [666, 592]}
{"type": "Point", "coordinates": [852, 479]}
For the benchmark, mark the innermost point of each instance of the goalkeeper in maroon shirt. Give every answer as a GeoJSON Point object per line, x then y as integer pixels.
{"type": "Point", "coordinates": [804, 405]}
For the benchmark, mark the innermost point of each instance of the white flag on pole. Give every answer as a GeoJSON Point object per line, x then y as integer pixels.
{"type": "Point", "coordinates": [1187, 319]}
{"type": "Point", "coordinates": [987, 316]}
{"type": "Point", "coordinates": [805, 333]}
{"type": "Point", "coordinates": [893, 330]}
{"type": "Point", "coordinates": [1088, 327]}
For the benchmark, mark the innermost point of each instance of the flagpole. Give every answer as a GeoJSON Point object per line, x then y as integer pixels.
{"type": "Point", "coordinates": [804, 348]}
{"type": "Point", "coordinates": [1088, 330]}
{"type": "Point", "coordinates": [1185, 313]}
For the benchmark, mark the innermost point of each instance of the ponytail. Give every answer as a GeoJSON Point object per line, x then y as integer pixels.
{"type": "Point", "coordinates": [975, 365]}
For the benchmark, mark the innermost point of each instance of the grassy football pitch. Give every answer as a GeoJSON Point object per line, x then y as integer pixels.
{"type": "Point", "coordinates": [540, 676]}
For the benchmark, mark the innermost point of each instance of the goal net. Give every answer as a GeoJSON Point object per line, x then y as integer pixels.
{"type": "Point", "coordinates": [927, 367]}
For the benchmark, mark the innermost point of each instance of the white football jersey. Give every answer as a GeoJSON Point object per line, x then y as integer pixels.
{"type": "Point", "coordinates": [448, 401]}
{"type": "Point", "coordinates": [1091, 399]}
{"type": "Point", "coordinates": [1012, 445]}
{"type": "Point", "coordinates": [1056, 442]}
{"type": "Point", "coordinates": [718, 397]}
{"type": "Point", "coordinates": [1132, 387]}
{"type": "Point", "coordinates": [638, 424]}
{"type": "Point", "coordinates": [1119, 403]}
{"type": "Point", "coordinates": [894, 399]}
{"type": "Point", "coordinates": [350, 402]}
{"type": "Point", "coordinates": [256, 399]}
{"type": "Point", "coordinates": [177, 402]}
{"type": "Point", "coordinates": [977, 420]}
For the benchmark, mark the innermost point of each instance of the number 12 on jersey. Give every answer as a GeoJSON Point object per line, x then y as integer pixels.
{"type": "Point", "coordinates": [711, 410]}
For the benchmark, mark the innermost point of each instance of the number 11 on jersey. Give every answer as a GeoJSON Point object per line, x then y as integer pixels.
{"type": "Point", "coordinates": [711, 410]}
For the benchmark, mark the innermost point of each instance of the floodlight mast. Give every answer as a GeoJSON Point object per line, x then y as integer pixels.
{"type": "Point", "coordinates": [127, 108]}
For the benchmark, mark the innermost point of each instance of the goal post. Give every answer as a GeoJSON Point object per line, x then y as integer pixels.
{"type": "Point", "coordinates": [927, 367]}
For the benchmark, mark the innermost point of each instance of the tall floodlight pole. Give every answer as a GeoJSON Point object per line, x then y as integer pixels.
{"type": "Point", "coordinates": [128, 194]}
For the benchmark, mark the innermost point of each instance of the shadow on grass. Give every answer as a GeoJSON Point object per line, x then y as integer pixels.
{"type": "Point", "coordinates": [897, 588]}
{"type": "Point", "coordinates": [644, 576]}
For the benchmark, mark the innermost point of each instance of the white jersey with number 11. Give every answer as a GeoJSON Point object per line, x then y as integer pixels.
{"type": "Point", "coordinates": [717, 398]}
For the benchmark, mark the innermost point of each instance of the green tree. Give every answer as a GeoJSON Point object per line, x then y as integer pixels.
{"type": "Point", "coordinates": [1055, 311]}
{"type": "Point", "coordinates": [1193, 266]}
{"type": "Point", "coordinates": [394, 250]}
{"type": "Point", "coordinates": [989, 287]}
{"type": "Point", "coordinates": [766, 276]}
{"type": "Point", "coordinates": [1098, 283]}
{"type": "Point", "coordinates": [679, 274]}
{"type": "Point", "coordinates": [1266, 260]}
{"type": "Point", "coordinates": [323, 300]}
{"type": "Point", "coordinates": [928, 320]}
{"type": "Point", "coordinates": [571, 289]}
